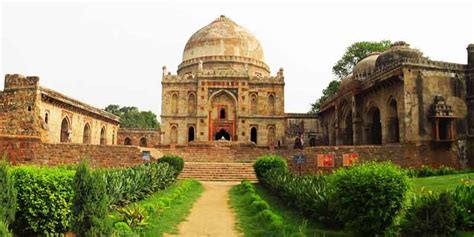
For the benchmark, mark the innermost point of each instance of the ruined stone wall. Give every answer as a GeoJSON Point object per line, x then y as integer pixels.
{"type": "Point", "coordinates": [307, 125]}
{"type": "Point", "coordinates": [421, 85]}
{"type": "Point", "coordinates": [30, 150]}
{"type": "Point", "coordinates": [19, 111]}
{"type": "Point", "coordinates": [136, 136]}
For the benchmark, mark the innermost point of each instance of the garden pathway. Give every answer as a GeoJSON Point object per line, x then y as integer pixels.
{"type": "Point", "coordinates": [211, 215]}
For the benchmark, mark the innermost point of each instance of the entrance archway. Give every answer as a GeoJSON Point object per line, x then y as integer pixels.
{"type": "Point", "coordinates": [222, 134]}
{"type": "Point", "coordinates": [190, 134]}
{"type": "Point", "coordinates": [64, 130]}
{"type": "Point", "coordinates": [375, 126]}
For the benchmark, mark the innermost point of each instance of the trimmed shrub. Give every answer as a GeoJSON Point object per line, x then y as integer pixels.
{"type": "Point", "coordinates": [7, 196]}
{"type": "Point", "coordinates": [367, 197]}
{"type": "Point", "coordinates": [133, 184]}
{"type": "Point", "coordinates": [268, 162]}
{"type": "Point", "coordinates": [174, 161]}
{"type": "Point", "coordinates": [44, 200]}
{"type": "Point", "coordinates": [90, 203]}
{"type": "Point", "coordinates": [430, 215]}
{"type": "Point", "coordinates": [259, 205]}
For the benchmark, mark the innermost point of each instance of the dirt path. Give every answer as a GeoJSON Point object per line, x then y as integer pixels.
{"type": "Point", "coordinates": [211, 215]}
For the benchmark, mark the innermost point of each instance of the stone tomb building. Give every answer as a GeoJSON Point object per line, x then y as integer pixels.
{"type": "Point", "coordinates": [401, 97]}
{"type": "Point", "coordinates": [223, 90]}
{"type": "Point", "coordinates": [29, 109]}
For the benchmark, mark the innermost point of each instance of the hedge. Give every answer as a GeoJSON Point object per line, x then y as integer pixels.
{"type": "Point", "coordinates": [364, 198]}
{"type": "Point", "coordinates": [174, 161]}
{"type": "Point", "coordinates": [44, 200]}
{"type": "Point", "coordinates": [268, 162]}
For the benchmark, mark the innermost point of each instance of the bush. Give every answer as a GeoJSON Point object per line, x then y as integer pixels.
{"type": "Point", "coordinates": [367, 197]}
{"type": "Point", "coordinates": [174, 161]}
{"type": "Point", "coordinates": [427, 171]}
{"type": "Point", "coordinates": [90, 203]}
{"type": "Point", "coordinates": [44, 200]}
{"type": "Point", "coordinates": [268, 162]}
{"type": "Point", "coordinates": [7, 196]}
{"type": "Point", "coordinates": [463, 197]}
{"type": "Point", "coordinates": [133, 184]}
{"type": "Point", "coordinates": [309, 194]}
{"type": "Point", "coordinates": [430, 215]}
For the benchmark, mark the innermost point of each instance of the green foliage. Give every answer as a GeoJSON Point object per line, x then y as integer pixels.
{"type": "Point", "coordinates": [4, 232]}
{"type": "Point", "coordinates": [261, 209]}
{"type": "Point", "coordinates": [356, 52]}
{"type": "Point", "coordinates": [161, 211]}
{"type": "Point", "coordinates": [132, 184]}
{"type": "Point", "coordinates": [343, 67]}
{"type": "Point", "coordinates": [463, 197]}
{"type": "Point", "coordinates": [308, 194]}
{"type": "Point", "coordinates": [44, 200]}
{"type": "Point", "coordinates": [8, 195]}
{"type": "Point", "coordinates": [131, 117]}
{"type": "Point", "coordinates": [90, 203]}
{"type": "Point", "coordinates": [428, 171]}
{"type": "Point", "coordinates": [430, 215]}
{"type": "Point", "coordinates": [268, 162]}
{"type": "Point", "coordinates": [174, 161]}
{"type": "Point", "coordinates": [134, 215]}
{"type": "Point", "coordinates": [367, 197]}
{"type": "Point", "coordinates": [328, 92]}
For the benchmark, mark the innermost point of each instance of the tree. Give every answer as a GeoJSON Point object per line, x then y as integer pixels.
{"type": "Point", "coordinates": [354, 53]}
{"type": "Point", "coordinates": [131, 117]}
{"type": "Point", "coordinates": [329, 91]}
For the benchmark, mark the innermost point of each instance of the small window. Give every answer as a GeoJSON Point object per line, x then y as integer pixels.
{"type": "Point", "coordinates": [143, 142]}
{"type": "Point", "coordinates": [29, 108]}
{"type": "Point", "coordinates": [222, 114]}
{"type": "Point", "coordinates": [46, 117]}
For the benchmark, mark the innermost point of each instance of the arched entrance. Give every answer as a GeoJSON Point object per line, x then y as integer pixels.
{"type": "Point", "coordinates": [253, 135]}
{"type": "Point", "coordinates": [222, 116]}
{"type": "Point", "coordinates": [86, 135]}
{"type": "Point", "coordinates": [143, 142]}
{"type": "Point", "coordinates": [65, 130]}
{"type": "Point", "coordinates": [374, 134]}
{"type": "Point", "coordinates": [103, 140]}
{"type": "Point", "coordinates": [127, 141]}
{"type": "Point", "coordinates": [222, 135]}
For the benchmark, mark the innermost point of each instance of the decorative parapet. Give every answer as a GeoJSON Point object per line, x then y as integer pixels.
{"type": "Point", "coordinates": [224, 58]}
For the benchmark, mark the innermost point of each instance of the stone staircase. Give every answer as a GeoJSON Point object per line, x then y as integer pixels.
{"type": "Point", "coordinates": [209, 171]}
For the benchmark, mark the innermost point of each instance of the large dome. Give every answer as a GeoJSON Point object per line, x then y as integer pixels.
{"type": "Point", "coordinates": [223, 41]}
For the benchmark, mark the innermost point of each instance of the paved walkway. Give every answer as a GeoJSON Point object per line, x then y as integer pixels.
{"type": "Point", "coordinates": [211, 215]}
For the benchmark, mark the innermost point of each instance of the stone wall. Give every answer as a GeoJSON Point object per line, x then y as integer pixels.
{"type": "Point", "coordinates": [30, 150]}
{"type": "Point", "coordinates": [139, 137]}
{"type": "Point", "coordinates": [404, 155]}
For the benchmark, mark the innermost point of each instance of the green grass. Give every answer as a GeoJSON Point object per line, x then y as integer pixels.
{"type": "Point", "coordinates": [167, 220]}
{"type": "Point", "coordinates": [294, 223]}
{"type": "Point", "coordinates": [439, 183]}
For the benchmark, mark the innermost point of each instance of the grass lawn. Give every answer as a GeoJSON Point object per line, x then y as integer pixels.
{"type": "Point", "coordinates": [294, 223]}
{"type": "Point", "coordinates": [440, 183]}
{"type": "Point", "coordinates": [168, 219]}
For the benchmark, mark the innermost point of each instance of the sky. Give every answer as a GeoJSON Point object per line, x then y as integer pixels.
{"type": "Point", "coordinates": [112, 52]}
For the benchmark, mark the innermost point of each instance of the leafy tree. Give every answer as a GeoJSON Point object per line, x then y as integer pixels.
{"type": "Point", "coordinates": [355, 53]}
{"type": "Point", "coordinates": [343, 67]}
{"type": "Point", "coordinates": [131, 117]}
{"type": "Point", "coordinates": [329, 91]}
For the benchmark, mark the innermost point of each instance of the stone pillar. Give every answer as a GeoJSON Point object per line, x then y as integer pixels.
{"type": "Point", "coordinates": [357, 136]}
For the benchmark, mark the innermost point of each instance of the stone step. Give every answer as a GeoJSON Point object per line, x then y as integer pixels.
{"type": "Point", "coordinates": [214, 171]}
